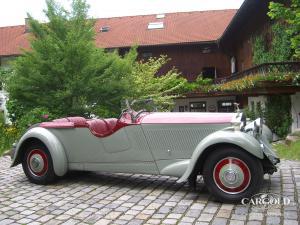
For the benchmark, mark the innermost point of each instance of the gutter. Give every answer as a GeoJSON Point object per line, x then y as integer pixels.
{"type": "Point", "coordinates": [168, 44]}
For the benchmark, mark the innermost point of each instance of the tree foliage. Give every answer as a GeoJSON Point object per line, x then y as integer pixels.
{"type": "Point", "coordinates": [65, 73]}
{"type": "Point", "coordinates": [164, 88]}
{"type": "Point", "coordinates": [291, 15]}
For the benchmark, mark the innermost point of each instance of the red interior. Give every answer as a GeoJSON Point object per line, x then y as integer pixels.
{"type": "Point", "coordinates": [102, 127]}
{"type": "Point", "coordinates": [98, 127]}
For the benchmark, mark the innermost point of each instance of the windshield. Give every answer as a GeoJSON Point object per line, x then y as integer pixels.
{"type": "Point", "coordinates": [140, 104]}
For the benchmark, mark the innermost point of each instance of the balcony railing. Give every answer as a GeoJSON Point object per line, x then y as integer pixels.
{"type": "Point", "coordinates": [263, 69]}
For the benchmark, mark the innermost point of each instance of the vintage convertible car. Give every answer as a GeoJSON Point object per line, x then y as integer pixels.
{"type": "Point", "coordinates": [231, 155]}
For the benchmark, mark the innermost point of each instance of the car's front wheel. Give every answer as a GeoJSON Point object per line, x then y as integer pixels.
{"type": "Point", "coordinates": [37, 164]}
{"type": "Point", "coordinates": [232, 174]}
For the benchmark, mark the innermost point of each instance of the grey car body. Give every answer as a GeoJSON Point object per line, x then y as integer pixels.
{"type": "Point", "coordinates": [170, 144]}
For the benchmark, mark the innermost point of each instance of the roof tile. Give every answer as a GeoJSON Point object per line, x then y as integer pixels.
{"type": "Point", "coordinates": [182, 27]}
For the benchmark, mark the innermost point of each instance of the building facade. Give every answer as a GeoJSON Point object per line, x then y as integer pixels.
{"type": "Point", "coordinates": [215, 44]}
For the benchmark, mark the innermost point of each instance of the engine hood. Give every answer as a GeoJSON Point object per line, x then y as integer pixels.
{"type": "Point", "coordinates": [188, 118]}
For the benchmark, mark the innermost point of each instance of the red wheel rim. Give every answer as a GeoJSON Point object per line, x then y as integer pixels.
{"type": "Point", "coordinates": [37, 162]}
{"type": "Point", "coordinates": [232, 175]}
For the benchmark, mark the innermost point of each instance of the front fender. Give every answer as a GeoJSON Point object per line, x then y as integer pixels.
{"type": "Point", "coordinates": [59, 158]}
{"type": "Point", "coordinates": [238, 138]}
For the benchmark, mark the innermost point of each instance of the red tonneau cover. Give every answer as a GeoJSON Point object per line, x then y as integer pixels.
{"type": "Point", "coordinates": [190, 118]}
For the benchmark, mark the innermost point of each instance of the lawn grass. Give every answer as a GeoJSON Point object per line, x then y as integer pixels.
{"type": "Point", "coordinates": [291, 152]}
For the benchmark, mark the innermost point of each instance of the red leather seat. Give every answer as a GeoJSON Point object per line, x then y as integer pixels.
{"type": "Point", "coordinates": [77, 121]}
{"type": "Point", "coordinates": [102, 127]}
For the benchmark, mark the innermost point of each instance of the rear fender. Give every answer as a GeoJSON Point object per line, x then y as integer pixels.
{"type": "Point", "coordinates": [244, 141]}
{"type": "Point", "coordinates": [60, 164]}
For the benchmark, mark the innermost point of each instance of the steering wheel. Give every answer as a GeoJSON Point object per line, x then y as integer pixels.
{"type": "Point", "coordinates": [127, 111]}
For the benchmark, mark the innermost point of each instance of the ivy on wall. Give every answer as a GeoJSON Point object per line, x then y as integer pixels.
{"type": "Point", "coordinates": [276, 114]}
{"type": "Point", "coordinates": [272, 46]}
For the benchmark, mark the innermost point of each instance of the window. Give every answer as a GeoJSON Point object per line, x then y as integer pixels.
{"type": "Point", "coordinates": [104, 29]}
{"type": "Point", "coordinates": [206, 50]}
{"type": "Point", "coordinates": [198, 106]}
{"type": "Point", "coordinates": [209, 72]}
{"type": "Point", "coordinates": [5, 62]}
{"type": "Point", "coordinates": [155, 25]}
{"type": "Point", "coordinates": [181, 108]}
{"type": "Point", "coordinates": [111, 50]}
{"type": "Point", "coordinates": [160, 16]}
{"type": "Point", "coordinates": [225, 106]}
{"type": "Point", "coordinates": [146, 55]}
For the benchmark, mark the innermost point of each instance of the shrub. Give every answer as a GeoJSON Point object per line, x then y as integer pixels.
{"type": "Point", "coordinates": [277, 114]}
{"type": "Point", "coordinates": [249, 113]}
{"type": "Point", "coordinates": [34, 116]}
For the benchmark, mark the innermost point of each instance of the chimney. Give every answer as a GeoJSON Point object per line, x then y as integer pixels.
{"type": "Point", "coordinates": [27, 26]}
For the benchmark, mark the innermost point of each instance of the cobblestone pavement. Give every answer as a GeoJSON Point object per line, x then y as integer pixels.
{"type": "Point", "coordinates": [102, 198]}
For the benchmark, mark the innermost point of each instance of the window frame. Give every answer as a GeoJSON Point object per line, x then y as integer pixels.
{"type": "Point", "coordinates": [220, 102]}
{"type": "Point", "coordinates": [196, 108]}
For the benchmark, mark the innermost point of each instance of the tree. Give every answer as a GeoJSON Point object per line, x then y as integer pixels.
{"type": "Point", "coordinates": [64, 71]}
{"type": "Point", "coordinates": [66, 74]}
{"type": "Point", "coordinates": [290, 14]}
{"type": "Point", "coordinates": [162, 89]}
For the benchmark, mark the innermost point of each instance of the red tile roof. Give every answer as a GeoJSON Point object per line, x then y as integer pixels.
{"type": "Point", "coordinates": [179, 28]}
{"type": "Point", "coordinates": [12, 40]}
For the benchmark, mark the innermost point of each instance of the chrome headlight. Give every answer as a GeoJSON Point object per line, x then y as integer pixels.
{"type": "Point", "coordinates": [258, 125]}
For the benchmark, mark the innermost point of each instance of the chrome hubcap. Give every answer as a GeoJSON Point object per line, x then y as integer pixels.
{"type": "Point", "coordinates": [232, 175]}
{"type": "Point", "coordinates": [36, 163]}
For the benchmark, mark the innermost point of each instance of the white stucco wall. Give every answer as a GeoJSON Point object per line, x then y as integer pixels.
{"type": "Point", "coordinates": [213, 101]}
{"type": "Point", "coordinates": [295, 100]}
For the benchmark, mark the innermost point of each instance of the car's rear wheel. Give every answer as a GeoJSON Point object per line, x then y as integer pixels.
{"type": "Point", "coordinates": [37, 165]}
{"type": "Point", "coordinates": [231, 174]}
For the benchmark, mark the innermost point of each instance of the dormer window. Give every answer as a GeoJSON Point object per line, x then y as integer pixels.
{"type": "Point", "coordinates": [160, 16]}
{"type": "Point", "coordinates": [155, 25]}
{"type": "Point", "coordinates": [104, 29]}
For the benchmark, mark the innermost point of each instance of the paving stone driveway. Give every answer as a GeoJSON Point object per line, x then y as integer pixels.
{"type": "Point", "coordinates": [103, 198]}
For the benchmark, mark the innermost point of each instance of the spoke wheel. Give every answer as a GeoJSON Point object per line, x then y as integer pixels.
{"type": "Point", "coordinates": [231, 173]}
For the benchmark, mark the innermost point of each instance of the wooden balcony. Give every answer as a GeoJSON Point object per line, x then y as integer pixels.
{"type": "Point", "coordinates": [263, 69]}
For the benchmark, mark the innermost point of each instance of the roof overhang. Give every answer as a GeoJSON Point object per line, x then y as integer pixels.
{"type": "Point", "coordinates": [248, 9]}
